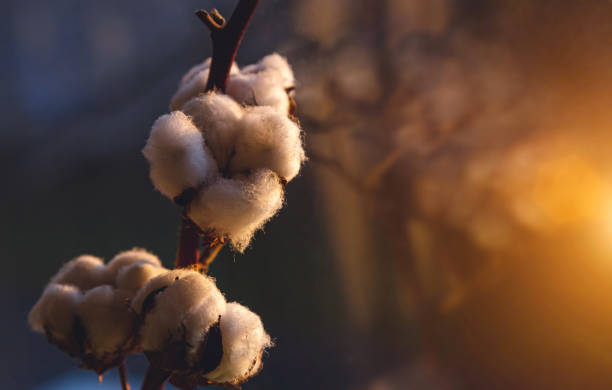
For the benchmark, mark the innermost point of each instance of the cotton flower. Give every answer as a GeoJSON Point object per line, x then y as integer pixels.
{"type": "Point", "coordinates": [254, 150]}
{"type": "Point", "coordinates": [188, 329]}
{"type": "Point", "coordinates": [85, 310]}
{"type": "Point", "coordinates": [177, 155]}
{"type": "Point", "coordinates": [244, 341]}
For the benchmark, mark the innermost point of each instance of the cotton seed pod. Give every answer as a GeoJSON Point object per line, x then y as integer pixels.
{"type": "Point", "coordinates": [134, 276]}
{"type": "Point", "coordinates": [166, 301]}
{"type": "Point", "coordinates": [244, 342]}
{"type": "Point", "coordinates": [126, 259]}
{"type": "Point", "coordinates": [217, 116]}
{"type": "Point", "coordinates": [107, 320]}
{"type": "Point", "coordinates": [84, 272]}
{"type": "Point", "coordinates": [55, 311]}
{"type": "Point", "coordinates": [230, 353]}
{"type": "Point", "coordinates": [267, 139]}
{"type": "Point", "coordinates": [236, 208]}
{"type": "Point", "coordinates": [177, 155]}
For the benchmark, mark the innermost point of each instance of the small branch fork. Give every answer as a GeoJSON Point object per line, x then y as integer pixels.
{"type": "Point", "coordinates": [226, 38]}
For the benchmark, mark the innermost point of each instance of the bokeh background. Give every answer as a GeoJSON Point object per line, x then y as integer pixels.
{"type": "Point", "coordinates": [452, 229]}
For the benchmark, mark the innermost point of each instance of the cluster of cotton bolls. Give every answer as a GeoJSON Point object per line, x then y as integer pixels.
{"type": "Point", "coordinates": [190, 331]}
{"type": "Point", "coordinates": [100, 312]}
{"type": "Point", "coordinates": [85, 308]}
{"type": "Point", "coordinates": [229, 155]}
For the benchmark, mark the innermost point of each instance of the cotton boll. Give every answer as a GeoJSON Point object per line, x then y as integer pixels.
{"type": "Point", "coordinates": [244, 340]}
{"type": "Point", "coordinates": [108, 322]}
{"type": "Point", "coordinates": [217, 116]}
{"type": "Point", "coordinates": [55, 310]}
{"type": "Point", "coordinates": [178, 156]}
{"type": "Point", "coordinates": [84, 272]}
{"type": "Point", "coordinates": [133, 277]}
{"type": "Point", "coordinates": [236, 208]}
{"type": "Point", "coordinates": [267, 139]}
{"type": "Point", "coordinates": [163, 321]}
{"type": "Point", "coordinates": [274, 63]}
{"type": "Point", "coordinates": [198, 322]}
{"type": "Point", "coordinates": [194, 84]}
{"type": "Point", "coordinates": [261, 89]}
{"type": "Point", "coordinates": [127, 258]}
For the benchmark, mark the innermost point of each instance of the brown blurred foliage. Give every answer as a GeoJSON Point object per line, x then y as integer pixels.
{"type": "Point", "coordinates": [464, 156]}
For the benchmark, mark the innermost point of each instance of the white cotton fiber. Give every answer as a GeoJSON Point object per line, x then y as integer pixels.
{"type": "Point", "coordinates": [236, 208]}
{"type": "Point", "coordinates": [217, 116]}
{"type": "Point", "coordinates": [107, 320]}
{"type": "Point", "coordinates": [273, 63]}
{"type": "Point", "coordinates": [185, 291]}
{"type": "Point", "coordinates": [244, 340]}
{"type": "Point", "coordinates": [268, 139]}
{"type": "Point", "coordinates": [264, 83]}
{"type": "Point", "coordinates": [198, 321]}
{"type": "Point", "coordinates": [177, 155]}
{"type": "Point", "coordinates": [84, 272]}
{"type": "Point", "coordinates": [194, 84]}
{"type": "Point", "coordinates": [55, 310]}
{"type": "Point", "coordinates": [259, 89]}
{"type": "Point", "coordinates": [126, 259]}
{"type": "Point", "coordinates": [134, 276]}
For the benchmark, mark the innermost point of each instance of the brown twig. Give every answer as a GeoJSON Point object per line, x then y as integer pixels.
{"type": "Point", "coordinates": [189, 242]}
{"type": "Point", "coordinates": [154, 379]}
{"type": "Point", "coordinates": [123, 378]}
{"type": "Point", "coordinates": [226, 38]}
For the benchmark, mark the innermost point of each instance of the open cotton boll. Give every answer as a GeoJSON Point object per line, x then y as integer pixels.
{"type": "Point", "coordinates": [194, 83]}
{"type": "Point", "coordinates": [84, 272]}
{"type": "Point", "coordinates": [274, 63]}
{"type": "Point", "coordinates": [108, 322]}
{"type": "Point", "coordinates": [127, 258]}
{"type": "Point", "coordinates": [55, 310]}
{"type": "Point", "coordinates": [267, 139]}
{"type": "Point", "coordinates": [236, 208]}
{"type": "Point", "coordinates": [134, 276]}
{"type": "Point", "coordinates": [177, 155]}
{"type": "Point", "coordinates": [163, 321]}
{"type": "Point", "coordinates": [259, 89]}
{"type": "Point", "coordinates": [217, 116]}
{"type": "Point", "coordinates": [198, 322]}
{"type": "Point", "coordinates": [244, 340]}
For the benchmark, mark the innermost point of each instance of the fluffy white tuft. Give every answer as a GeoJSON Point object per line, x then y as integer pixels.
{"type": "Point", "coordinates": [127, 258]}
{"type": "Point", "coordinates": [264, 83]}
{"type": "Point", "coordinates": [55, 310]}
{"type": "Point", "coordinates": [185, 291]}
{"type": "Point", "coordinates": [244, 340]}
{"type": "Point", "coordinates": [217, 116]}
{"type": "Point", "coordinates": [193, 84]}
{"type": "Point", "coordinates": [134, 276]}
{"type": "Point", "coordinates": [177, 155]}
{"type": "Point", "coordinates": [236, 208]}
{"type": "Point", "coordinates": [268, 139]}
{"type": "Point", "coordinates": [107, 320]}
{"type": "Point", "coordinates": [84, 272]}
{"type": "Point", "coordinates": [199, 321]}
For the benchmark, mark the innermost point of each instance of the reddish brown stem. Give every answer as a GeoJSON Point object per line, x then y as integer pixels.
{"type": "Point", "coordinates": [189, 242]}
{"type": "Point", "coordinates": [123, 378]}
{"type": "Point", "coordinates": [210, 248]}
{"type": "Point", "coordinates": [154, 379]}
{"type": "Point", "coordinates": [226, 38]}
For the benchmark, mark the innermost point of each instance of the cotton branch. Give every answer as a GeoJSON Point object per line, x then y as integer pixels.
{"type": "Point", "coordinates": [226, 38]}
{"type": "Point", "coordinates": [123, 378]}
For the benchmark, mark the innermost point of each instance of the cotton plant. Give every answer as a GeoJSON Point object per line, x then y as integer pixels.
{"type": "Point", "coordinates": [224, 153]}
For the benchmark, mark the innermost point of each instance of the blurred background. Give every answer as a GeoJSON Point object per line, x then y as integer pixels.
{"type": "Point", "coordinates": [452, 229]}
